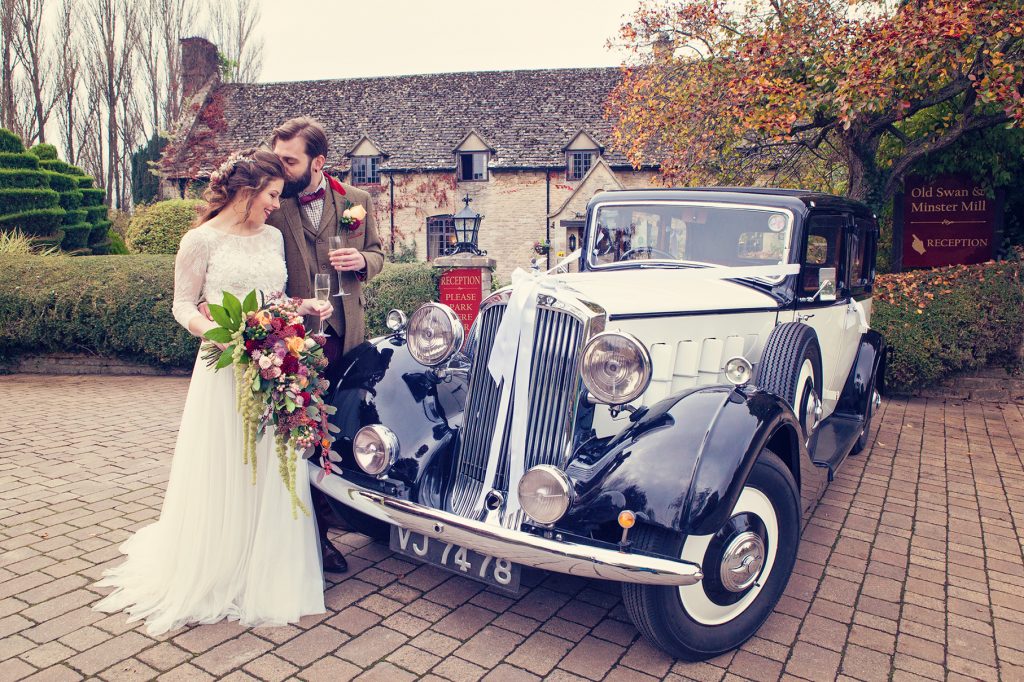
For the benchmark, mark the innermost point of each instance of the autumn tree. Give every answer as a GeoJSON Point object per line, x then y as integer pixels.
{"type": "Point", "coordinates": [783, 91]}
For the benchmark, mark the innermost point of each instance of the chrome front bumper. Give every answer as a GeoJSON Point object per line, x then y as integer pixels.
{"type": "Point", "coordinates": [516, 546]}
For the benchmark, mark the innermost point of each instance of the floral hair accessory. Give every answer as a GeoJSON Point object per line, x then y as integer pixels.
{"type": "Point", "coordinates": [228, 167]}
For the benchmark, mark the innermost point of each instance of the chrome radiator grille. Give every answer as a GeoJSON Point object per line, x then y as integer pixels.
{"type": "Point", "coordinates": [549, 414]}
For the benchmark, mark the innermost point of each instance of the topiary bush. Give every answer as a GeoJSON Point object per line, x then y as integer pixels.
{"type": "Point", "coordinates": [59, 166]}
{"type": "Point", "coordinates": [17, 200]}
{"type": "Point", "coordinates": [946, 320]}
{"type": "Point", "coordinates": [9, 142]}
{"type": "Point", "coordinates": [44, 152]}
{"type": "Point", "coordinates": [405, 286]}
{"type": "Point", "coordinates": [22, 160]}
{"type": "Point", "coordinates": [159, 228]}
{"type": "Point", "coordinates": [24, 179]}
{"type": "Point", "coordinates": [37, 222]}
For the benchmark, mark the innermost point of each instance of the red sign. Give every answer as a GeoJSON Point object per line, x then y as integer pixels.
{"type": "Point", "coordinates": [461, 290]}
{"type": "Point", "coordinates": [946, 221]}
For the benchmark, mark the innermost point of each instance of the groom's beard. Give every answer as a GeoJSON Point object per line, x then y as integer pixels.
{"type": "Point", "coordinates": [293, 187]}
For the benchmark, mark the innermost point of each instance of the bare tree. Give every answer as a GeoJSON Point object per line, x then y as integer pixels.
{"type": "Point", "coordinates": [67, 72]}
{"type": "Point", "coordinates": [177, 19]}
{"type": "Point", "coordinates": [151, 55]}
{"type": "Point", "coordinates": [114, 25]}
{"type": "Point", "coordinates": [7, 62]}
{"type": "Point", "coordinates": [89, 126]}
{"type": "Point", "coordinates": [233, 24]}
{"type": "Point", "coordinates": [29, 46]}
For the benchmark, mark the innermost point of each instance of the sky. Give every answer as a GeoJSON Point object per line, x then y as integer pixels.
{"type": "Point", "coordinates": [315, 39]}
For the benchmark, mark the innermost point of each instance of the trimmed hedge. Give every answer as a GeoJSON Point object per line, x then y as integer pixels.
{"type": "Point", "coordinates": [25, 179]}
{"type": "Point", "coordinates": [97, 214]}
{"type": "Point", "coordinates": [62, 167]}
{"type": "Point", "coordinates": [99, 232]}
{"type": "Point", "coordinates": [160, 227]}
{"type": "Point", "coordinates": [84, 182]}
{"type": "Point", "coordinates": [9, 160]}
{"type": "Point", "coordinates": [121, 305]}
{"type": "Point", "coordinates": [9, 142]}
{"type": "Point", "coordinates": [108, 305]}
{"type": "Point", "coordinates": [76, 236]}
{"type": "Point", "coordinates": [36, 222]}
{"type": "Point", "coordinates": [405, 286]}
{"type": "Point", "coordinates": [92, 196]}
{"type": "Point", "coordinates": [44, 152]}
{"type": "Point", "coordinates": [61, 182]}
{"type": "Point", "coordinates": [18, 200]}
{"type": "Point", "coordinates": [947, 320]}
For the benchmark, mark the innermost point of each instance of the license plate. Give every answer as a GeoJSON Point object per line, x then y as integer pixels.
{"type": "Point", "coordinates": [499, 573]}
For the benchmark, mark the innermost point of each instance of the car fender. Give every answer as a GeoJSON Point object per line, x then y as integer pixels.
{"type": "Point", "coordinates": [682, 463]}
{"type": "Point", "coordinates": [868, 363]}
{"type": "Point", "coordinates": [382, 384]}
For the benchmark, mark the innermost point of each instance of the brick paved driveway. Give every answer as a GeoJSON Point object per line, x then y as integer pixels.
{"type": "Point", "coordinates": [911, 568]}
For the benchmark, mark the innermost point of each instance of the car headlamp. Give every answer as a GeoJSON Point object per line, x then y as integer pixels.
{"type": "Point", "coordinates": [616, 367]}
{"type": "Point", "coordinates": [545, 493]}
{"type": "Point", "coordinates": [738, 370]}
{"type": "Point", "coordinates": [434, 334]}
{"type": "Point", "coordinates": [375, 448]}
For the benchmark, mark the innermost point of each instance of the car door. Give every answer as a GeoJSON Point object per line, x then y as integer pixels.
{"type": "Point", "coordinates": [824, 247]}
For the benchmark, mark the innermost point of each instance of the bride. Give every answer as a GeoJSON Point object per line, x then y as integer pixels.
{"type": "Point", "coordinates": [223, 547]}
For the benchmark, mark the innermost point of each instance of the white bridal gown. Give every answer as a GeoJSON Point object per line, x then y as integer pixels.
{"type": "Point", "coordinates": [223, 547]}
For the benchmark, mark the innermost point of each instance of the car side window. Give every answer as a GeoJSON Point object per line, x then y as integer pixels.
{"type": "Point", "coordinates": [862, 243]}
{"type": "Point", "coordinates": [823, 246]}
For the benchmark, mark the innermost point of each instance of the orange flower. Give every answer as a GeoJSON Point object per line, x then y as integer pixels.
{"type": "Point", "coordinates": [295, 344]}
{"type": "Point", "coordinates": [263, 317]}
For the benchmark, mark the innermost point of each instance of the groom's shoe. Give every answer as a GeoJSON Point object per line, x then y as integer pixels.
{"type": "Point", "coordinates": [334, 561]}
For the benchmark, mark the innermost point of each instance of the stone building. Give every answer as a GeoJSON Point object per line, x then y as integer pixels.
{"type": "Point", "coordinates": [529, 148]}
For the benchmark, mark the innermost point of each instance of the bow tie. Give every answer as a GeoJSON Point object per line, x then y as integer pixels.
{"type": "Point", "coordinates": [312, 196]}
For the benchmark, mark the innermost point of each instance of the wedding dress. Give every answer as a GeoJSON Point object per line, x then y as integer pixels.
{"type": "Point", "coordinates": [223, 547]}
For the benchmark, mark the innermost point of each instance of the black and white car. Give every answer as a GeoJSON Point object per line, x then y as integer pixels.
{"type": "Point", "coordinates": [666, 418]}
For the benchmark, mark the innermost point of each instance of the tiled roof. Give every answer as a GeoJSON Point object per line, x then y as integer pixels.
{"type": "Point", "coordinates": [527, 116]}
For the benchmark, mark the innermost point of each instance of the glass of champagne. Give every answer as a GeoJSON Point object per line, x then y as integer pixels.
{"type": "Point", "coordinates": [338, 242]}
{"type": "Point", "coordinates": [322, 291]}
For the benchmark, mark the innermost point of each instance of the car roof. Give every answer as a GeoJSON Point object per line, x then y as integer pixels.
{"type": "Point", "coordinates": [798, 199]}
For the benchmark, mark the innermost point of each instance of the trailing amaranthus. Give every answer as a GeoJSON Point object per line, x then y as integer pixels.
{"type": "Point", "coordinates": [278, 374]}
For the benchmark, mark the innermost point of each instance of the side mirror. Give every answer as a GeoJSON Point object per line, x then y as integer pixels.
{"type": "Point", "coordinates": [827, 284]}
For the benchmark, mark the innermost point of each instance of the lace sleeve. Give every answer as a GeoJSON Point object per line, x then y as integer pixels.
{"type": "Point", "coordinates": [189, 276]}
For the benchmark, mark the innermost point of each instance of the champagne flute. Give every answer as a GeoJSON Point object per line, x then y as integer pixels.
{"type": "Point", "coordinates": [338, 242]}
{"type": "Point", "coordinates": [322, 291]}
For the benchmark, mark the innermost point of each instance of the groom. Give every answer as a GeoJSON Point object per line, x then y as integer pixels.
{"type": "Point", "coordinates": [311, 210]}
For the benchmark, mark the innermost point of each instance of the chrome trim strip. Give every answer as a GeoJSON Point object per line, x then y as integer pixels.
{"type": "Point", "coordinates": [521, 548]}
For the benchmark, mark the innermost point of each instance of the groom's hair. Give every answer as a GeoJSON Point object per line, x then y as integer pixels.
{"type": "Point", "coordinates": [311, 132]}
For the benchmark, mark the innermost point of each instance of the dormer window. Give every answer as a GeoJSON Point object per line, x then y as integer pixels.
{"type": "Point", "coordinates": [365, 170]}
{"type": "Point", "coordinates": [472, 166]}
{"type": "Point", "coordinates": [578, 164]}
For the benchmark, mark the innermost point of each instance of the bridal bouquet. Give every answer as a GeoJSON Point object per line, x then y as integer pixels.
{"type": "Point", "coordinates": [278, 369]}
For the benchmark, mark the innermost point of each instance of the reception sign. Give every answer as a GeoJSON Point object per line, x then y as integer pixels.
{"type": "Point", "coordinates": [947, 220]}
{"type": "Point", "coordinates": [462, 290]}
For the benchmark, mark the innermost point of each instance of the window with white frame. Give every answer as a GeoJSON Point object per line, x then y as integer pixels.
{"type": "Point", "coordinates": [441, 236]}
{"type": "Point", "coordinates": [365, 170]}
{"type": "Point", "coordinates": [578, 163]}
{"type": "Point", "coordinates": [472, 166]}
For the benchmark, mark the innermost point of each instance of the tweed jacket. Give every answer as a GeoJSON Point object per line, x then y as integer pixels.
{"type": "Point", "coordinates": [306, 247]}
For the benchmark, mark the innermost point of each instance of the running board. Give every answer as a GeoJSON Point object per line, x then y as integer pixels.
{"type": "Point", "coordinates": [835, 438]}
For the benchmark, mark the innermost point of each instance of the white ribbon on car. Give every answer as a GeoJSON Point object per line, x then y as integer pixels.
{"type": "Point", "coordinates": [511, 359]}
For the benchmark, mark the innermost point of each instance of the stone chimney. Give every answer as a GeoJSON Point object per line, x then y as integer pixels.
{"type": "Point", "coordinates": [199, 64]}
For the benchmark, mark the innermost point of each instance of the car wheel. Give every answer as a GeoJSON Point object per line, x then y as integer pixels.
{"type": "Point", "coordinates": [790, 368]}
{"type": "Point", "coordinates": [746, 567]}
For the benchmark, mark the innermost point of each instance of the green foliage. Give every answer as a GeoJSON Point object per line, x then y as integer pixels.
{"type": "Point", "coordinates": [400, 285]}
{"type": "Point", "coordinates": [92, 196]}
{"type": "Point", "coordinates": [84, 181]}
{"type": "Point", "coordinates": [78, 215]}
{"type": "Point", "coordinates": [100, 232]}
{"type": "Point", "coordinates": [117, 246]}
{"type": "Point", "coordinates": [35, 222]}
{"type": "Point", "coordinates": [17, 243]}
{"type": "Point", "coordinates": [98, 304]}
{"type": "Point", "coordinates": [26, 179]}
{"type": "Point", "coordinates": [96, 213]}
{"type": "Point", "coordinates": [405, 252]}
{"type": "Point", "coordinates": [44, 151]}
{"type": "Point", "coordinates": [71, 201]}
{"type": "Point", "coordinates": [18, 200]}
{"type": "Point", "coordinates": [947, 320]}
{"type": "Point", "coordinates": [76, 236]}
{"type": "Point", "coordinates": [145, 184]}
{"type": "Point", "coordinates": [58, 166]}
{"type": "Point", "coordinates": [9, 142]}
{"type": "Point", "coordinates": [60, 182]}
{"type": "Point", "coordinates": [14, 160]}
{"type": "Point", "coordinates": [159, 228]}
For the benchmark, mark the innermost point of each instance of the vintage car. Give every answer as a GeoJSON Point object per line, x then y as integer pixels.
{"type": "Point", "coordinates": [666, 417]}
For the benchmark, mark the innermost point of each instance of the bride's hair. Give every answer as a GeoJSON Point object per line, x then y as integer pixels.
{"type": "Point", "coordinates": [247, 171]}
